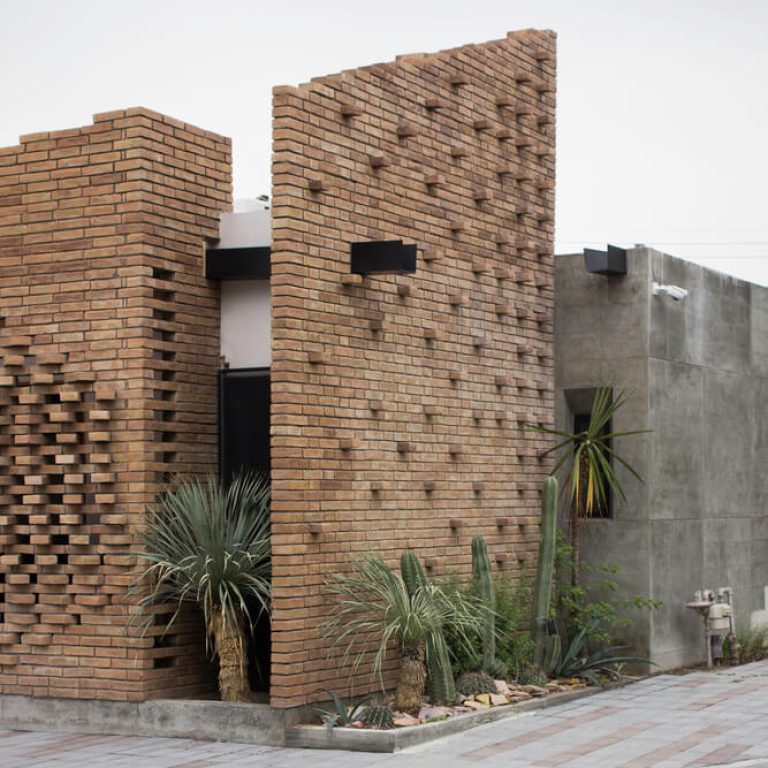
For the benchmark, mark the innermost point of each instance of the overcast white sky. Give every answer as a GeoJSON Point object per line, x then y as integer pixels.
{"type": "Point", "coordinates": [662, 104]}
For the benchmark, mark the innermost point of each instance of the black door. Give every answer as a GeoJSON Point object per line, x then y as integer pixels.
{"type": "Point", "coordinates": [244, 447]}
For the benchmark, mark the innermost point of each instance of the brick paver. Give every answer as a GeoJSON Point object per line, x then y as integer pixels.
{"type": "Point", "coordinates": [702, 719]}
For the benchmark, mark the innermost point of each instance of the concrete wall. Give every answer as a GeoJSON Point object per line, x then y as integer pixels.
{"type": "Point", "coordinates": [698, 372]}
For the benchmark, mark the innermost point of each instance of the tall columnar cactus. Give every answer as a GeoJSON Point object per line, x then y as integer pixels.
{"type": "Point", "coordinates": [483, 582]}
{"type": "Point", "coordinates": [412, 571]}
{"type": "Point", "coordinates": [440, 684]}
{"type": "Point", "coordinates": [543, 586]}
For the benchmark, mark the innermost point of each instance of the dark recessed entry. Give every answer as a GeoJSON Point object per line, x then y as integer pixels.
{"type": "Point", "coordinates": [251, 263]}
{"type": "Point", "coordinates": [382, 256]}
{"type": "Point", "coordinates": [244, 398]}
{"type": "Point", "coordinates": [610, 262]}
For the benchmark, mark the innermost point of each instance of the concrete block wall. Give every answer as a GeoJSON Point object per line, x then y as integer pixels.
{"type": "Point", "coordinates": [399, 403]}
{"type": "Point", "coordinates": [108, 360]}
{"type": "Point", "coordinates": [698, 376]}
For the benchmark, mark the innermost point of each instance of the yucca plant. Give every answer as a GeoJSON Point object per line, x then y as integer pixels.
{"type": "Point", "coordinates": [209, 544]}
{"type": "Point", "coordinates": [588, 456]}
{"type": "Point", "coordinates": [374, 608]}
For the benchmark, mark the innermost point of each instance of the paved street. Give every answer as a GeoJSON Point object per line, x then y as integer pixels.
{"type": "Point", "coordinates": [700, 719]}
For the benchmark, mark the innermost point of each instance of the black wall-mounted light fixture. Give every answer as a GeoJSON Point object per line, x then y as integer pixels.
{"type": "Point", "coordinates": [248, 263]}
{"type": "Point", "coordinates": [382, 257]}
{"type": "Point", "coordinates": [612, 263]}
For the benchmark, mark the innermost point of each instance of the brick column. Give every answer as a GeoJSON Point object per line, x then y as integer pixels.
{"type": "Point", "coordinates": [108, 359]}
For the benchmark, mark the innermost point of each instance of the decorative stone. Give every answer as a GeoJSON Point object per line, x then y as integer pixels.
{"type": "Point", "coordinates": [403, 720]}
{"type": "Point", "coordinates": [534, 690]}
{"type": "Point", "coordinates": [430, 713]}
{"type": "Point", "coordinates": [498, 699]}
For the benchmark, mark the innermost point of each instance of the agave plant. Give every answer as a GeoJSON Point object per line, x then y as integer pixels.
{"type": "Point", "coordinates": [341, 714]}
{"type": "Point", "coordinates": [577, 662]}
{"type": "Point", "coordinates": [209, 545]}
{"type": "Point", "coordinates": [374, 608]}
{"type": "Point", "coordinates": [588, 456]}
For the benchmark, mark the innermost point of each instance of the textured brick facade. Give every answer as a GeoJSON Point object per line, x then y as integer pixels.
{"type": "Point", "coordinates": [399, 403]}
{"type": "Point", "coordinates": [108, 359]}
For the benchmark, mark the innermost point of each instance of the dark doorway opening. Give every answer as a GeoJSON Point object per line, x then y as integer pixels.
{"type": "Point", "coordinates": [604, 509]}
{"type": "Point", "coordinates": [244, 398]}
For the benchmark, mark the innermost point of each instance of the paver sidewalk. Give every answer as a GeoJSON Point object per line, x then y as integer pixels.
{"type": "Point", "coordinates": [701, 719]}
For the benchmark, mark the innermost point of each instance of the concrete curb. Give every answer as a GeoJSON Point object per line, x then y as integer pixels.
{"type": "Point", "coordinates": [247, 723]}
{"type": "Point", "coordinates": [366, 740]}
{"type": "Point", "coordinates": [214, 720]}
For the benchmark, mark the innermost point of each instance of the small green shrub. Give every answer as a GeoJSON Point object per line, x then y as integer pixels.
{"type": "Point", "coordinates": [498, 670]}
{"type": "Point", "coordinates": [514, 647]}
{"type": "Point", "coordinates": [592, 606]}
{"type": "Point", "coordinates": [751, 643]}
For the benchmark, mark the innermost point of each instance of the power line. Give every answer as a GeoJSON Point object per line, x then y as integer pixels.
{"type": "Point", "coordinates": [675, 242]}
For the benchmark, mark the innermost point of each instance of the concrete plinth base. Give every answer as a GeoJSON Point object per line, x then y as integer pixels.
{"type": "Point", "coordinates": [215, 720]}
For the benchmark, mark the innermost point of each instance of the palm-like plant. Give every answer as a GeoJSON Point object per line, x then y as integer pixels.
{"type": "Point", "coordinates": [209, 545]}
{"type": "Point", "coordinates": [588, 456]}
{"type": "Point", "coordinates": [374, 607]}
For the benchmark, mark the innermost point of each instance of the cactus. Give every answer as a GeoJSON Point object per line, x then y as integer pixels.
{"type": "Point", "coordinates": [483, 581]}
{"type": "Point", "coordinates": [543, 586]}
{"type": "Point", "coordinates": [440, 685]}
{"type": "Point", "coordinates": [472, 683]}
{"type": "Point", "coordinates": [412, 571]}
{"type": "Point", "coordinates": [378, 716]}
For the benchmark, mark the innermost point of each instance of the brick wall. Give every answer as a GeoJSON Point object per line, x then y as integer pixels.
{"type": "Point", "coordinates": [398, 404]}
{"type": "Point", "coordinates": [108, 358]}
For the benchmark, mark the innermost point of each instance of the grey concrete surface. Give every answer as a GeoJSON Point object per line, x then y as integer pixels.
{"type": "Point", "coordinates": [697, 374]}
{"type": "Point", "coordinates": [250, 723]}
{"type": "Point", "coordinates": [669, 721]}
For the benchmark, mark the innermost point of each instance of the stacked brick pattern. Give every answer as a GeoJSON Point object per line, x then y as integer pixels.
{"type": "Point", "coordinates": [399, 404]}
{"type": "Point", "coordinates": [108, 358]}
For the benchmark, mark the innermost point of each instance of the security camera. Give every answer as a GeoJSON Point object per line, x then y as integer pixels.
{"type": "Point", "coordinates": [675, 292]}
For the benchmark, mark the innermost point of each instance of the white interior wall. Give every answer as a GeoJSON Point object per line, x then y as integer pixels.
{"type": "Point", "coordinates": [246, 323]}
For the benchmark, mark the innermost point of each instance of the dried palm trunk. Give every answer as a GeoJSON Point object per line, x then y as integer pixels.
{"type": "Point", "coordinates": [412, 679]}
{"type": "Point", "coordinates": [229, 646]}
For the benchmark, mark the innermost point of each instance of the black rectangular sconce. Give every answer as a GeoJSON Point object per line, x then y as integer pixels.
{"type": "Point", "coordinates": [612, 262]}
{"type": "Point", "coordinates": [382, 257]}
{"type": "Point", "coordinates": [249, 263]}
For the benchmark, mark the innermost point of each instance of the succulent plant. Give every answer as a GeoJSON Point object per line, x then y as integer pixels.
{"type": "Point", "coordinates": [378, 716]}
{"type": "Point", "coordinates": [472, 683]}
{"type": "Point", "coordinates": [482, 579]}
{"type": "Point", "coordinates": [440, 686]}
{"type": "Point", "coordinates": [543, 585]}
{"type": "Point", "coordinates": [412, 571]}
